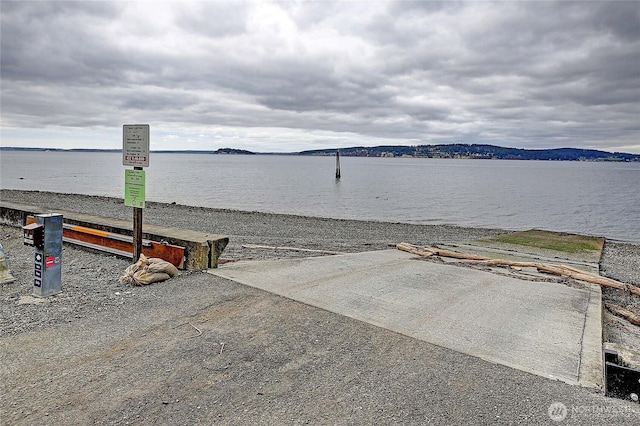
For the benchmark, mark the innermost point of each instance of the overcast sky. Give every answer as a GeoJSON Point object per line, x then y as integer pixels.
{"type": "Point", "coordinates": [295, 75]}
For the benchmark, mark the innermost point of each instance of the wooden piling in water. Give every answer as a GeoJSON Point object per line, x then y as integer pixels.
{"type": "Point", "coordinates": [337, 164]}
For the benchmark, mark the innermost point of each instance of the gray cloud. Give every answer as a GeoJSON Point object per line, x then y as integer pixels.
{"type": "Point", "coordinates": [526, 74]}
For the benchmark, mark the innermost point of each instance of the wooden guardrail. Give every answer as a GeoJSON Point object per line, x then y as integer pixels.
{"type": "Point", "coordinates": [120, 245]}
{"type": "Point", "coordinates": [201, 249]}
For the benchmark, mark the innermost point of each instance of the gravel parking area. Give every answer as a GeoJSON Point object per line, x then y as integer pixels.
{"type": "Point", "coordinates": [198, 349]}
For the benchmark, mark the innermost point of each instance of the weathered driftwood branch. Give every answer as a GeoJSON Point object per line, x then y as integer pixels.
{"type": "Point", "coordinates": [413, 249]}
{"type": "Point", "coordinates": [257, 246]}
{"type": "Point", "coordinates": [585, 276]}
{"type": "Point", "coordinates": [502, 262]}
{"type": "Point", "coordinates": [431, 251]}
{"type": "Point", "coordinates": [623, 312]}
{"type": "Point", "coordinates": [561, 270]}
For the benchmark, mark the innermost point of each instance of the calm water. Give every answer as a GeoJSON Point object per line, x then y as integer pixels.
{"type": "Point", "coordinates": [589, 198]}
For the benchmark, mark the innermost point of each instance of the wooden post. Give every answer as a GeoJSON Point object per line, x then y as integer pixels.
{"type": "Point", "coordinates": [135, 152]}
{"type": "Point", "coordinates": [137, 230]}
{"type": "Point", "coordinates": [337, 164]}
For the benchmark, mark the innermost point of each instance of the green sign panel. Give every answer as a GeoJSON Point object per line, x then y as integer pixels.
{"type": "Point", "coordinates": [134, 188]}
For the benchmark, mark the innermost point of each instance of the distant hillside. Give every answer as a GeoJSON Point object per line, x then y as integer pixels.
{"type": "Point", "coordinates": [162, 151]}
{"type": "Point", "coordinates": [479, 151]}
{"type": "Point", "coordinates": [234, 151]}
{"type": "Point", "coordinates": [417, 151]}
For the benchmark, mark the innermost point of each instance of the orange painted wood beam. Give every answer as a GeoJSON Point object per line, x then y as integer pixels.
{"type": "Point", "coordinates": [119, 244]}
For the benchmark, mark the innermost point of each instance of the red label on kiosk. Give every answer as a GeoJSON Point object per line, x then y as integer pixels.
{"type": "Point", "coordinates": [49, 261]}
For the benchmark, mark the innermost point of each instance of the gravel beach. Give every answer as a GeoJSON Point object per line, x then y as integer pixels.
{"type": "Point", "coordinates": [81, 268]}
{"type": "Point", "coordinates": [620, 261]}
{"type": "Point", "coordinates": [198, 349]}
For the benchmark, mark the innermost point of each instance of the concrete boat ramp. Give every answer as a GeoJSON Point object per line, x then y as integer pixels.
{"type": "Point", "coordinates": [544, 328]}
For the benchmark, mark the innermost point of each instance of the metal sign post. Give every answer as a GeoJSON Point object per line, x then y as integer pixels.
{"type": "Point", "coordinates": [135, 152]}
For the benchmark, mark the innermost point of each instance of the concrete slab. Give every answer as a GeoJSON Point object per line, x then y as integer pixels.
{"type": "Point", "coordinates": [543, 328]}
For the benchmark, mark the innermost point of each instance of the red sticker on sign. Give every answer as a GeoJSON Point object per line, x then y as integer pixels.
{"type": "Point", "coordinates": [49, 261]}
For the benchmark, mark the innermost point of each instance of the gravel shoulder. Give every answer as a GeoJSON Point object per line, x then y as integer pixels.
{"type": "Point", "coordinates": [198, 349]}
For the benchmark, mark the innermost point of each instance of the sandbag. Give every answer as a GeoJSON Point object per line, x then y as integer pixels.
{"type": "Point", "coordinates": [148, 270]}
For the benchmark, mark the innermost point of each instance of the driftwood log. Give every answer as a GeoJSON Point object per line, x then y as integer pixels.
{"type": "Point", "coordinates": [257, 246]}
{"type": "Point", "coordinates": [561, 270]}
{"type": "Point", "coordinates": [434, 251]}
{"type": "Point", "coordinates": [623, 312]}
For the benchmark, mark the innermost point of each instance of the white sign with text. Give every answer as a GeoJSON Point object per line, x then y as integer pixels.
{"type": "Point", "coordinates": [135, 145]}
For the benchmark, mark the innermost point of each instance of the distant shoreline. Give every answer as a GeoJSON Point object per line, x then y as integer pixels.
{"type": "Point", "coordinates": [450, 151]}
